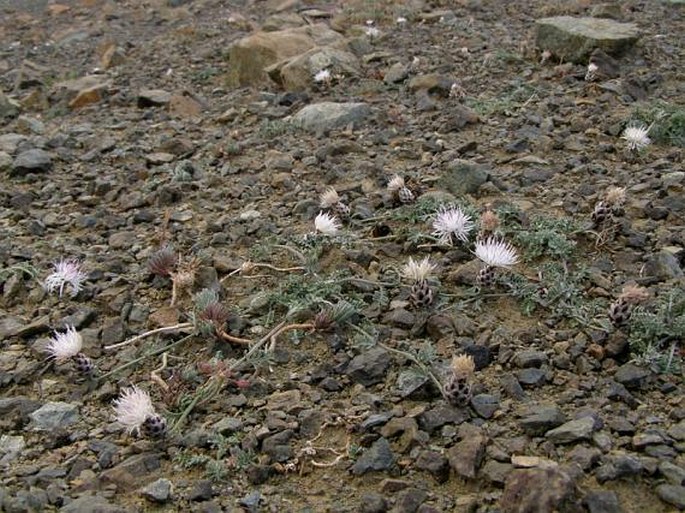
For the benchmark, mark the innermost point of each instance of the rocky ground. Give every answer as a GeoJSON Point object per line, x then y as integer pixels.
{"type": "Point", "coordinates": [207, 127]}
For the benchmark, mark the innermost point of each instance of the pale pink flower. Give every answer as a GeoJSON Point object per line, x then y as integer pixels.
{"type": "Point", "coordinates": [64, 346]}
{"type": "Point", "coordinates": [496, 253]}
{"type": "Point", "coordinates": [452, 224]}
{"type": "Point", "coordinates": [66, 272]}
{"type": "Point", "coordinates": [133, 407]}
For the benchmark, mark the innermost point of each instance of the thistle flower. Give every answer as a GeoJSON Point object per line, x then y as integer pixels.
{"type": "Point", "coordinates": [326, 224]}
{"type": "Point", "coordinates": [398, 187]}
{"type": "Point", "coordinates": [636, 137]}
{"type": "Point", "coordinates": [452, 224]}
{"type": "Point", "coordinates": [591, 74]}
{"type": "Point", "coordinates": [615, 196]}
{"type": "Point", "coordinates": [66, 272]}
{"type": "Point", "coordinates": [633, 293]}
{"type": "Point", "coordinates": [418, 271]}
{"type": "Point", "coordinates": [496, 253]}
{"type": "Point", "coordinates": [323, 76]}
{"type": "Point", "coordinates": [396, 183]}
{"type": "Point", "coordinates": [463, 366]}
{"type": "Point", "coordinates": [489, 222]}
{"type": "Point", "coordinates": [134, 410]}
{"type": "Point", "coordinates": [621, 310]}
{"type": "Point", "coordinates": [64, 346]}
{"type": "Point", "coordinates": [163, 262]}
{"type": "Point", "coordinates": [458, 388]}
{"type": "Point", "coordinates": [329, 198]}
{"type": "Point", "coordinates": [372, 32]}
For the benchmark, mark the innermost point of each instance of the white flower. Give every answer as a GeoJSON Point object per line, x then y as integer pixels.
{"type": "Point", "coordinates": [496, 253]}
{"type": "Point", "coordinates": [66, 271]}
{"type": "Point", "coordinates": [372, 32]}
{"type": "Point", "coordinates": [326, 223]}
{"type": "Point", "coordinates": [636, 137]}
{"type": "Point", "coordinates": [329, 198]}
{"type": "Point", "coordinates": [133, 407]}
{"type": "Point", "coordinates": [450, 224]}
{"type": "Point", "coordinates": [400, 20]}
{"type": "Point", "coordinates": [396, 183]}
{"type": "Point", "coordinates": [418, 271]}
{"type": "Point", "coordinates": [591, 73]}
{"type": "Point", "coordinates": [65, 345]}
{"type": "Point", "coordinates": [322, 76]}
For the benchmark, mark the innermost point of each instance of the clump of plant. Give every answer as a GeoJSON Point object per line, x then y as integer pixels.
{"type": "Point", "coordinates": [545, 236]}
{"type": "Point", "coordinates": [621, 310]}
{"type": "Point", "coordinates": [666, 122]}
{"type": "Point", "coordinates": [458, 387]}
{"type": "Point", "coordinates": [418, 273]}
{"type": "Point", "coordinates": [657, 331]}
{"type": "Point", "coordinates": [165, 262]}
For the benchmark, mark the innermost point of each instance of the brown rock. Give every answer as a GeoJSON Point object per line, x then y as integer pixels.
{"type": "Point", "coordinates": [539, 491]}
{"type": "Point", "coordinates": [112, 56]}
{"type": "Point", "coordinates": [184, 106]}
{"type": "Point", "coordinates": [251, 55]}
{"type": "Point", "coordinates": [165, 316]}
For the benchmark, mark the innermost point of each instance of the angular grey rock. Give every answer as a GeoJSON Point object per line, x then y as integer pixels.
{"type": "Point", "coordinates": [602, 501]}
{"type": "Point", "coordinates": [531, 377]}
{"type": "Point", "coordinates": [157, 491]}
{"type": "Point", "coordinates": [324, 116]}
{"type": "Point", "coordinates": [92, 504]}
{"type": "Point", "coordinates": [539, 419]}
{"type": "Point", "coordinates": [31, 161]}
{"type": "Point", "coordinates": [631, 376]}
{"type": "Point", "coordinates": [435, 463]}
{"type": "Point", "coordinates": [378, 457]}
{"type": "Point", "coordinates": [572, 431]}
{"type": "Point", "coordinates": [132, 472]}
{"type": "Point", "coordinates": [663, 266]}
{"type": "Point", "coordinates": [10, 448]}
{"type": "Point", "coordinates": [8, 108]}
{"type": "Point", "coordinates": [496, 472]}
{"type": "Point", "coordinates": [485, 405]}
{"type": "Point", "coordinates": [530, 358]}
{"type": "Point", "coordinates": [672, 472]}
{"type": "Point", "coordinates": [369, 368]}
{"type": "Point", "coordinates": [54, 415]}
{"type": "Point", "coordinates": [573, 39]}
{"type": "Point", "coordinates": [672, 494]}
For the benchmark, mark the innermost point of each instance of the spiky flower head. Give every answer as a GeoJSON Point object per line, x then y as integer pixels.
{"type": "Point", "coordinates": [463, 366]}
{"type": "Point", "coordinates": [133, 407]}
{"type": "Point", "coordinates": [396, 183]}
{"type": "Point", "coordinates": [163, 261]}
{"type": "Point", "coordinates": [451, 224]}
{"type": "Point", "coordinates": [615, 196]}
{"type": "Point", "coordinates": [489, 222]}
{"type": "Point", "coordinates": [329, 198]}
{"type": "Point", "coordinates": [64, 346]}
{"type": "Point", "coordinates": [496, 253]}
{"type": "Point", "coordinates": [633, 293]}
{"type": "Point", "coordinates": [418, 271]}
{"type": "Point", "coordinates": [67, 272]}
{"type": "Point", "coordinates": [326, 224]}
{"type": "Point", "coordinates": [636, 137]}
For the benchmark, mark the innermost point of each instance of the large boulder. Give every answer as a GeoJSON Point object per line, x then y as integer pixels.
{"type": "Point", "coordinates": [573, 39]}
{"type": "Point", "coordinates": [297, 74]}
{"type": "Point", "coordinates": [249, 57]}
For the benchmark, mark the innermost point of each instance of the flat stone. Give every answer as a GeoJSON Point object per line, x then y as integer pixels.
{"type": "Point", "coordinates": [297, 74]}
{"type": "Point", "coordinates": [672, 494]}
{"type": "Point", "coordinates": [92, 504]}
{"type": "Point", "coordinates": [485, 405]}
{"type": "Point", "coordinates": [539, 419]}
{"type": "Point", "coordinates": [153, 98]}
{"type": "Point", "coordinates": [369, 367]}
{"type": "Point", "coordinates": [324, 116]}
{"type": "Point", "coordinates": [572, 431]}
{"type": "Point", "coordinates": [464, 177]}
{"type": "Point", "coordinates": [11, 447]}
{"type": "Point", "coordinates": [573, 39]}
{"type": "Point", "coordinates": [31, 161]}
{"type": "Point", "coordinates": [53, 416]}
{"type": "Point", "coordinates": [602, 501]}
{"type": "Point", "coordinates": [631, 376]}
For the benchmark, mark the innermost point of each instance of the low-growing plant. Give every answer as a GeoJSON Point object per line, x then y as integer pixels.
{"type": "Point", "coordinates": [657, 331]}
{"type": "Point", "coordinates": [666, 122]}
